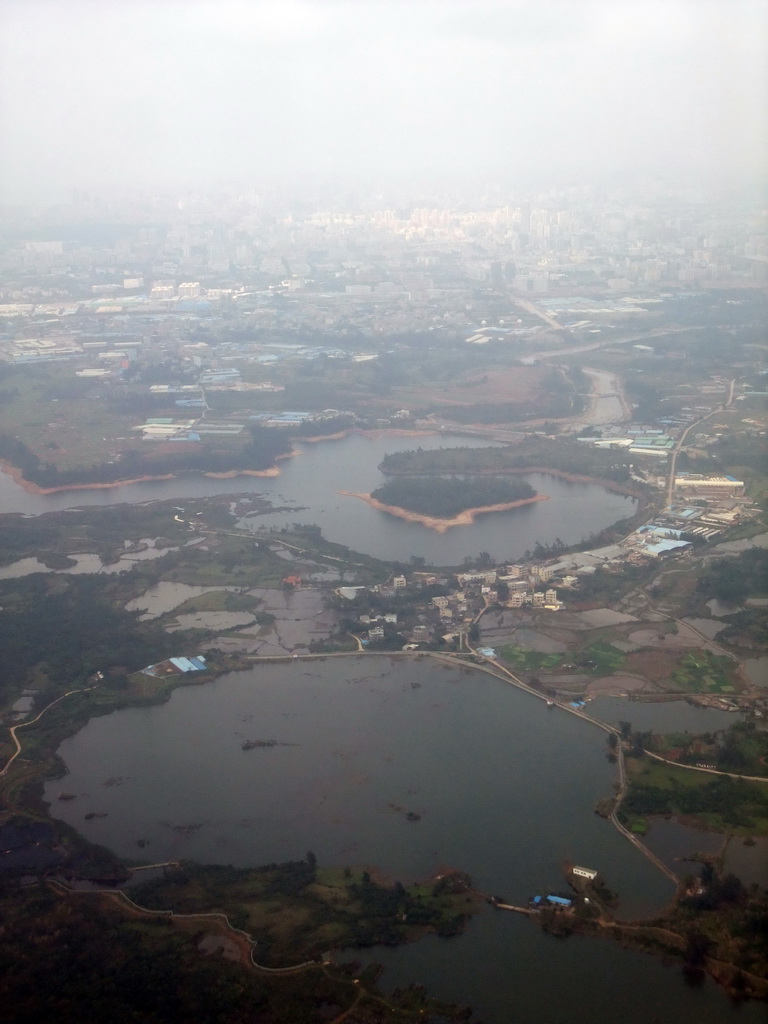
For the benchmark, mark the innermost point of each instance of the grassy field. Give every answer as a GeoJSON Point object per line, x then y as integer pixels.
{"type": "Point", "coordinates": [718, 802]}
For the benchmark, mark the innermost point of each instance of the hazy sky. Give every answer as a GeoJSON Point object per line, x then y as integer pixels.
{"type": "Point", "coordinates": [97, 94]}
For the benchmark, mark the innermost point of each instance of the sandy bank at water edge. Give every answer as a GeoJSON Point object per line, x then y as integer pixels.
{"type": "Point", "coordinates": [439, 525]}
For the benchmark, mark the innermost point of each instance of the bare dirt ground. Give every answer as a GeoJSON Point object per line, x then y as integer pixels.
{"type": "Point", "coordinates": [491, 384]}
{"type": "Point", "coordinates": [654, 665]}
{"type": "Point", "coordinates": [617, 685]}
{"type": "Point", "coordinates": [685, 639]}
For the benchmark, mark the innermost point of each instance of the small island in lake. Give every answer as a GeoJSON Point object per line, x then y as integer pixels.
{"type": "Point", "coordinates": [442, 502]}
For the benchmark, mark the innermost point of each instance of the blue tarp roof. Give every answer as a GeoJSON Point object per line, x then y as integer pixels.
{"type": "Point", "coordinates": [185, 665]}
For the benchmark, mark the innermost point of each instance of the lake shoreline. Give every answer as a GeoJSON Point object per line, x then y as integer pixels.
{"type": "Point", "coordinates": [32, 488]}
{"type": "Point", "coordinates": [574, 478]}
{"type": "Point", "coordinates": [17, 475]}
{"type": "Point", "coordinates": [440, 525]}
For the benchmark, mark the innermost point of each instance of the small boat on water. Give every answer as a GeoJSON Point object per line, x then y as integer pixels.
{"type": "Point", "coordinates": [550, 703]}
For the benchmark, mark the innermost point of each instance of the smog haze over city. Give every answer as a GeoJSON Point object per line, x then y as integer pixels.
{"type": "Point", "coordinates": [153, 95]}
{"type": "Point", "coordinates": [395, 373]}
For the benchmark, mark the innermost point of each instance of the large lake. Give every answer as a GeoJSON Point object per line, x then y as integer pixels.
{"type": "Point", "coordinates": [309, 484]}
{"type": "Point", "coordinates": [505, 788]}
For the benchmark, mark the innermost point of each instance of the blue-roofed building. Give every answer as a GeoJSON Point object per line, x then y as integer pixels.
{"type": "Point", "coordinates": [185, 665]}
{"type": "Point", "coordinates": [559, 901]}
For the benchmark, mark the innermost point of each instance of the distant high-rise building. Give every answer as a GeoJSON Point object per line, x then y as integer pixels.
{"type": "Point", "coordinates": [190, 290]}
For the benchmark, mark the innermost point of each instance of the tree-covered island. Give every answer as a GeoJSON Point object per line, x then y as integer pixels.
{"type": "Point", "coordinates": [445, 497]}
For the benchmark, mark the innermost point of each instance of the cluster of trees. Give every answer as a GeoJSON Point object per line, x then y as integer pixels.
{"type": "Point", "coordinates": [534, 453]}
{"type": "Point", "coordinates": [741, 749]}
{"type": "Point", "coordinates": [366, 912]}
{"type": "Point", "coordinates": [717, 890]}
{"type": "Point", "coordinates": [736, 802]}
{"type": "Point", "coordinates": [387, 911]}
{"type": "Point", "coordinates": [259, 452]}
{"type": "Point", "coordinates": [731, 580]}
{"type": "Point", "coordinates": [446, 497]}
{"type": "Point", "coordinates": [333, 425]}
{"type": "Point", "coordinates": [67, 633]}
{"type": "Point", "coordinates": [69, 960]}
{"type": "Point", "coordinates": [79, 959]}
{"type": "Point", "coordinates": [747, 628]}
{"type": "Point", "coordinates": [741, 449]}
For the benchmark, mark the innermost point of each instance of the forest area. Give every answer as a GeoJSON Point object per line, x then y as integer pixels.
{"type": "Point", "coordinates": [446, 497]}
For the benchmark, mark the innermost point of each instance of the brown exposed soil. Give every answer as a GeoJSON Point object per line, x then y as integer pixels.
{"type": "Point", "coordinates": [656, 666]}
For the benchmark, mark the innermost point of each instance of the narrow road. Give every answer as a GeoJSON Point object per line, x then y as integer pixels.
{"type": "Point", "coordinates": [681, 440]}
{"type": "Point", "coordinates": [22, 725]}
{"type": "Point", "coordinates": [120, 896]}
{"type": "Point", "coordinates": [595, 345]}
{"type": "Point", "coordinates": [640, 846]}
{"type": "Point", "coordinates": [708, 771]}
{"type": "Point", "coordinates": [534, 310]}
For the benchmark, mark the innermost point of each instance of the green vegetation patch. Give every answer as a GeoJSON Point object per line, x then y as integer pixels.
{"type": "Point", "coordinates": [64, 630]}
{"type": "Point", "coordinates": [446, 497]}
{"type": "Point", "coordinates": [295, 911]}
{"type": "Point", "coordinates": [529, 661]}
{"type": "Point", "coordinates": [742, 749]}
{"type": "Point", "coordinates": [602, 659]}
{"type": "Point", "coordinates": [704, 672]}
{"type": "Point", "coordinates": [732, 580]}
{"type": "Point", "coordinates": [598, 658]}
{"type": "Point", "coordinates": [533, 453]}
{"type": "Point", "coordinates": [723, 803]}
{"type": "Point", "coordinates": [60, 430]}
{"type": "Point", "coordinates": [80, 957]}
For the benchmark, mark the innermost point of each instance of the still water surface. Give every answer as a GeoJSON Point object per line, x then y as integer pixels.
{"type": "Point", "coordinates": [362, 741]}
{"type": "Point", "coordinates": [309, 484]}
{"type": "Point", "coordinates": [505, 787]}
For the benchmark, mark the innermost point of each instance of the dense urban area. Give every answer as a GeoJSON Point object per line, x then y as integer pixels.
{"type": "Point", "coordinates": [203, 379]}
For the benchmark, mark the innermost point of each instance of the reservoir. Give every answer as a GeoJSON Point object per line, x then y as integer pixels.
{"type": "Point", "coordinates": [309, 483]}
{"type": "Point", "coordinates": [504, 787]}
